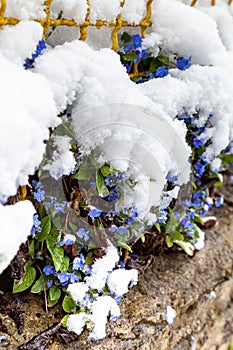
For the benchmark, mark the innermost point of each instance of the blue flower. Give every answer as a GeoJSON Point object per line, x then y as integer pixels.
{"type": "Point", "coordinates": [82, 233]}
{"type": "Point", "coordinates": [49, 283]}
{"type": "Point", "coordinates": [94, 213]}
{"type": "Point", "coordinates": [161, 72]}
{"type": "Point", "coordinates": [129, 47]}
{"type": "Point", "coordinates": [39, 195]}
{"type": "Point", "coordinates": [87, 269]}
{"type": "Point", "coordinates": [114, 195]}
{"type": "Point", "coordinates": [114, 318]}
{"type": "Point", "coordinates": [183, 63]}
{"type": "Point", "coordinates": [187, 224]}
{"type": "Point", "coordinates": [118, 298]}
{"type": "Point", "coordinates": [122, 230]}
{"type": "Point", "coordinates": [67, 241]}
{"type": "Point", "coordinates": [49, 270]}
{"type": "Point", "coordinates": [79, 262]}
{"type": "Point", "coordinates": [113, 228]}
{"type": "Point", "coordinates": [63, 278]}
{"type": "Point", "coordinates": [36, 221]}
{"type": "Point", "coordinates": [200, 168]}
{"type": "Point", "coordinates": [136, 40]}
{"type": "Point", "coordinates": [121, 264]}
{"type": "Point", "coordinates": [219, 201]}
{"type": "Point", "coordinates": [74, 277]}
{"type": "Point", "coordinates": [198, 142]}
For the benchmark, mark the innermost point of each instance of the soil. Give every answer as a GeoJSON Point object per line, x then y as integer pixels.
{"type": "Point", "coordinates": [202, 322]}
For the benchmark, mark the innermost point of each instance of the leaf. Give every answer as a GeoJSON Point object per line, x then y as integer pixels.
{"type": "Point", "coordinates": [154, 65]}
{"type": "Point", "coordinates": [227, 159]}
{"type": "Point", "coordinates": [169, 241]}
{"type": "Point", "coordinates": [198, 219]}
{"type": "Point", "coordinates": [126, 38]}
{"type": "Point", "coordinates": [172, 223]}
{"type": "Point", "coordinates": [69, 304]}
{"type": "Point", "coordinates": [100, 184]}
{"type": "Point", "coordinates": [65, 263]}
{"type": "Point", "coordinates": [82, 174]}
{"type": "Point", "coordinates": [142, 236]}
{"type": "Point", "coordinates": [56, 251]}
{"type": "Point", "coordinates": [177, 236]}
{"type": "Point", "coordinates": [186, 246]}
{"type": "Point", "coordinates": [46, 228]}
{"type": "Point", "coordinates": [26, 281]}
{"type": "Point", "coordinates": [130, 56]}
{"type": "Point", "coordinates": [32, 248]}
{"type": "Point", "coordinates": [106, 170]}
{"type": "Point", "coordinates": [54, 296]}
{"type": "Point", "coordinates": [125, 246]}
{"type": "Point", "coordinates": [38, 286]}
{"type": "Point", "coordinates": [73, 227]}
{"type": "Point", "coordinates": [157, 226]}
{"type": "Point", "coordinates": [163, 59]}
{"type": "Point", "coordinates": [64, 320]}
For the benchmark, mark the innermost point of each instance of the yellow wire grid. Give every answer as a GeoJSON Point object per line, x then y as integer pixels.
{"type": "Point", "coordinates": [48, 22]}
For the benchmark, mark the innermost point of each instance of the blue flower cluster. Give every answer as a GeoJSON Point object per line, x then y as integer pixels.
{"type": "Point", "coordinates": [39, 193]}
{"type": "Point", "coordinates": [79, 264]}
{"type": "Point", "coordinates": [39, 49]}
{"type": "Point", "coordinates": [36, 224]}
{"type": "Point", "coordinates": [136, 46]}
{"type": "Point", "coordinates": [54, 204]}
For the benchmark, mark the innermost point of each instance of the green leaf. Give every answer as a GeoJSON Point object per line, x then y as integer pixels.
{"type": "Point", "coordinates": [177, 236]}
{"type": "Point", "coordinates": [32, 248]}
{"type": "Point", "coordinates": [46, 228]}
{"type": "Point", "coordinates": [100, 184]}
{"type": "Point", "coordinates": [169, 241]}
{"type": "Point", "coordinates": [186, 246]}
{"type": "Point", "coordinates": [69, 304]}
{"type": "Point", "coordinates": [56, 251]}
{"type": "Point", "coordinates": [54, 293]}
{"type": "Point", "coordinates": [82, 174]}
{"type": "Point", "coordinates": [125, 246]}
{"type": "Point", "coordinates": [73, 227]}
{"type": "Point", "coordinates": [157, 226]}
{"type": "Point", "coordinates": [142, 236]}
{"type": "Point", "coordinates": [130, 56]}
{"type": "Point", "coordinates": [64, 320]}
{"type": "Point", "coordinates": [198, 219]}
{"type": "Point", "coordinates": [26, 281]}
{"type": "Point", "coordinates": [227, 159]}
{"type": "Point", "coordinates": [172, 223]}
{"type": "Point", "coordinates": [163, 59]}
{"type": "Point", "coordinates": [65, 263]}
{"type": "Point", "coordinates": [106, 170]}
{"type": "Point", "coordinates": [126, 38]}
{"type": "Point", "coordinates": [38, 286]}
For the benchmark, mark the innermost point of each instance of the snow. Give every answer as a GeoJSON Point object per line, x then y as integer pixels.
{"type": "Point", "coordinates": [170, 315]}
{"type": "Point", "coordinates": [119, 280]}
{"type": "Point", "coordinates": [101, 308]}
{"type": "Point", "coordinates": [78, 291]}
{"type": "Point", "coordinates": [24, 126]}
{"type": "Point", "coordinates": [63, 162]}
{"type": "Point", "coordinates": [101, 269]}
{"type": "Point", "coordinates": [16, 223]}
{"type": "Point", "coordinates": [75, 323]}
{"type": "Point", "coordinates": [71, 9]}
{"type": "Point", "coordinates": [25, 9]}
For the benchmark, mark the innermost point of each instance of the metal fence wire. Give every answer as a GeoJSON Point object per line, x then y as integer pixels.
{"type": "Point", "coordinates": [48, 22]}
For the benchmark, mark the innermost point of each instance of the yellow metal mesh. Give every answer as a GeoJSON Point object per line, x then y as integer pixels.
{"type": "Point", "coordinates": [47, 22]}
